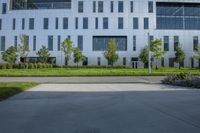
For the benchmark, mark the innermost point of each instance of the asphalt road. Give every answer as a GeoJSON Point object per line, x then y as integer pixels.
{"type": "Point", "coordinates": [102, 108]}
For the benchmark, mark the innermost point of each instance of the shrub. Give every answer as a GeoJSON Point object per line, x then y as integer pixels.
{"type": "Point", "coordinates": [182, 79]}
{"type": "Point", "coordinates": [9, 66]}
{"type": "Point", "coordinates": [30, 66]}
{"type": "Point", "coordinates": [2, 66]}
{"type": "Point", "coordinates": [22, 66]}
{"type": "Point", "coordinates": [39, 65]}
{"type": "Point", "coordinates": [35, 65]}
{"type": "Point", "coordinates": [16, 66]}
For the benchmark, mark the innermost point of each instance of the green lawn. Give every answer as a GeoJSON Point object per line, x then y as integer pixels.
{"type": "Point", "coordinates": [67, 72]}
{"type": "Point", "coordinates": [10, 89]}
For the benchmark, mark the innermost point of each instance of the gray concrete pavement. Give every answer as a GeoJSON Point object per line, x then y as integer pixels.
{"type": "Point", "coordinates": [128, 79]}
{"type": "Point", "coordinates": [102, 108]}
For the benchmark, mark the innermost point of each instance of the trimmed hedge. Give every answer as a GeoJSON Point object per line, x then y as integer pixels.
{"type": "Point", "coordinates": [25, 65]}
{"type": "Point", "coordinates": [182, 79]}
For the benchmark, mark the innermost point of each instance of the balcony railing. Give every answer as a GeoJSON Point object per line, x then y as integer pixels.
{"type": "Point", "coordinates": [39, 5]}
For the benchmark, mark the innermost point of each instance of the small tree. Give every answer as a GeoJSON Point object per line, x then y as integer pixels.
{"type": "Point", "coordinates": [43, 54]}
{"type": "Point", "coordinates": [78, 56]}
{"type": "Point", "coordinates": [10, 55]}
{"type": "Point", "coordinates": [179, 55]}
{"type": "Point", "coordinates": [157, 50]}
{"type": "Point", "coordinates": [67, 48]}
{"type": "Point", "coordinates": [197, 54]}
{"type": "Point", "coordinates": [23, 48]}
{"type": "Point", "coordinates": [110, 53]}
{"type": "Point", "coordinates": [144, 55]}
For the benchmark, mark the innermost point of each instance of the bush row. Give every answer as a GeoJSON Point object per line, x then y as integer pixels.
{"type": "Point", "coordinates": [25, 66]}
{"type": "Point", "coordinates": [182, 79]}
{"type": "Point", "coordinates": [92, 66]}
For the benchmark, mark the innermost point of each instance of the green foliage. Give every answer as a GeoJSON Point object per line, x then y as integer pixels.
{"type": "Point", "coordinates": [10, 55]}
{"type": "Point", "coordinates": [111, 52]}
{"type": "Point", "coordinates": [144, 55]}
{"type": "Point", "coordinates": [10, 89]}
{"type": "Point", "coordinates": [67, 48]}
{"type": "Point", "coordinates": [78, 55]}
{"type": "Point", "coordinates": [157, 50]}
{"type": "Point", "coordinates": [43, 54]}
{"type": "Point", "coordinates": [179, 55]}
{"type": "Point", "coordinates": [23, 48]}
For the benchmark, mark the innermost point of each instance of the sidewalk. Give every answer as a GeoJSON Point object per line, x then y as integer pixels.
{"type": "Point", "coordinates": [87, 80]}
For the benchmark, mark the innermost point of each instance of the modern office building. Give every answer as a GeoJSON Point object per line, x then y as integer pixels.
{"type": "Point", "coordinates": [90, 24]}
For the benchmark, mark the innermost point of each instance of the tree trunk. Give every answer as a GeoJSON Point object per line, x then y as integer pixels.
{"type": "Point", "coordinates": [179, 65]}
{"type": "Point", "coordinates": [156, 65]}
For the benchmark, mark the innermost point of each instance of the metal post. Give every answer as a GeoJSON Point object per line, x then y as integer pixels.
{"type": "Point", "coordinates": [149, 56]}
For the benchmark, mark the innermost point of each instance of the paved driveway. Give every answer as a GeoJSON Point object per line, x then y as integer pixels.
{"type": "Point", "coordinates": [102, 108]}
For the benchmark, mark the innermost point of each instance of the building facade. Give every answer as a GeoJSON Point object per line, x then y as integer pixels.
{"type": "Point", "coordinates": [91, 23]}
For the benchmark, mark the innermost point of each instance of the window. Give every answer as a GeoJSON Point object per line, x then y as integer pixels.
{"type": "Point", "coordinates": [146, 23]}
{"type": "Point", "coordinates": [46, 23]}
{"type": "Point", "coordinates": [112, 6]}
{"type": "Point", "coordinates": [99, 61]}
{"type": "Point", "coordinates": [131, 6]}
{"type": "Point", "coordinates": [80, 42]}
{"type": "Point", "coordinates": [195, 43]}
{"type": "Point", "coordinates": [27, 41]}
{"type": "Point", "coordinates": [135, 23]}
{"type": "Point", "coordinates": [176, 42]}
{"type": "Point", "coordinates": [3, 43]}
{"type": "Point", "coordinates": [15, 41]}
{"type": "Point", "coordinates": [31, 23]}
{"type": "Point", "coordinates": [39, 4]}
{"type": "Point", "coordinates": [94, 6]}
{"type": "Point", "coordinates": [23, 23]}
{"type": "Point", "coordinates": [4, 8]}
{"type": "Point", "coordinates": [14, 24]}
{"type": "Point", "coordinates": [120, 6]}
{"type": "Point", "coordinates": [171, 62]}
{"type": "Point", "coordinates": [124, 61]}
{"type": "Point", "coordinates": [56, 23]}
{"type": "Point", "coordinates": [96, 23]}
{"type": "Point", "coordinates": [80, 6]}
{"type": "Point", "coordinates": [151, 38]}
{"type": "Point", "coordinates": [150, 6]}
{"type": "Point", "coordinates": [105, 23]}
{"type": "Point", "coordinates": [85, 23]}
{"type": "Point", "coordinates": [100, 42]}
{"type": "Point", "coordinates": [134, 43]}
{"type": "Point", "coordinates": [59, 42]}
{"type": "Point", "coordinates": [166, 43]}
{"type": "Point", "coordinates": [0, 24]}
{"type": "Point", "coordinates": [76, 23]}
{"type": "Point", "coordinates": [100, 6]}
{"type": "Point", "coordinates": [85, 61]}
{"type": "Point", "coordinates": [181, 15]}
{"type": "Point", "coordinates": [163, 62]}
{"type": "Point", "coordinates": [120, 23]}
{"type": "Point", "coordinates": [50, 43]}
{"type": "Point", "coordinates": [34, 43]}
{"type": "Point", "coordinates": [65, 23]}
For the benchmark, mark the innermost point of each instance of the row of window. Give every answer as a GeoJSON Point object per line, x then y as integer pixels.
{"type": "Point", "coordinates": [40, 4]}
{"type": "Point", "coordinates": [178, 15]}
{"type": "Point", "coordinates": [98, 6]}
{"type": "Point", "coordinates": [20, 5]}
{"type": "Point", "coordinates": [99, 42]}
{"type": "Point", "coordinates": [85, 24]}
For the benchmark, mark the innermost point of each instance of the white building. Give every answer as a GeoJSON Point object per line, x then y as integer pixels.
{"type": "Point", "coordinates": [89, 24]}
